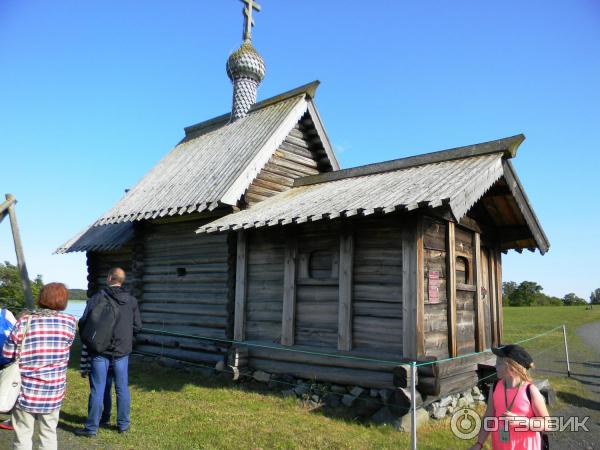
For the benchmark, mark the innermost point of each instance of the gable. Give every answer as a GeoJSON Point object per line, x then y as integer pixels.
{"type": "Point", "coordinates": [302, 153]}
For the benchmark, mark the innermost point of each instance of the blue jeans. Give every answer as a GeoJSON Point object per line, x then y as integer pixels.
{"type": "Point", "coordinates": [98, 392]}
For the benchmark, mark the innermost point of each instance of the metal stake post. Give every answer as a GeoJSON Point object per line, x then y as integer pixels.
{"type": "Point", "coordinates": [566, 350]}
{"type": "Point", "coordinates": [413, 399]}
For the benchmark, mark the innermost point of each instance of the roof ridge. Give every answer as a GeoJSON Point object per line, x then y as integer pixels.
{"type": "Point", "coordinates": [309, 89]}
{"type": "Point", "coordinates": [508, 146]}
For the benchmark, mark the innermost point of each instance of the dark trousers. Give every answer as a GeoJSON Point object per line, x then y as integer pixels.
{"type": "Point", "coordinates": [100, 366]}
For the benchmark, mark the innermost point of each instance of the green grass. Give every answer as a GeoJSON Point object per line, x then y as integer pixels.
{"type": "Point", "coordinates": [177, 410]}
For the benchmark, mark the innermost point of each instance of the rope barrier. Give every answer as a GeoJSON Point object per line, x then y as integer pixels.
{"type": "Point", "coordinates": [333, 355]}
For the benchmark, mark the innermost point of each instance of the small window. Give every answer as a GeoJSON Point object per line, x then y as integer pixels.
{"type": "Point", "coordinates": [181, 272]}
{"type": "Point", "coordinates": [462, 270]}
{"type": "Point", "coordinates": [320, 265]}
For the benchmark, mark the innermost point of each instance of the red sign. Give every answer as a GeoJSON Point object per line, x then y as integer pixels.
{"type": "Point", "coordinates": [434, 286]}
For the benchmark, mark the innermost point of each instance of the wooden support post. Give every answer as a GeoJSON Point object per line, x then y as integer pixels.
{"type": "Point", "coordinates": [288, 319]}
{"type": "Point", "coordinates": [345, 291]}
{"type": "Point", "coordinates": [409, 290]}
{"type": "Point", "coordinates": [239, 325]}
{"type": "Point", "coordinates": [420, 290]}
{"type": "Point", "coordinates": [493, 297]}
{"type": "Point", "coordinates": [480, 341]}
{"type": "Point", "coordinates": [451, 288]}
{"type": "Point", "coordinates": [499, 295]}
{"type": "Point", "coordinates": [19, 251]}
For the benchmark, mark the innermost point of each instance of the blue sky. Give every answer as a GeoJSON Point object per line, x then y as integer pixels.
{"type": "Point", "coordinates": [93, 94]}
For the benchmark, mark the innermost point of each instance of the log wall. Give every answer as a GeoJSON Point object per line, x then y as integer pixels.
{"type": "Point", "coordinates": [436, 311]}
{"type": "Point", "coordinates": [317, 286]}
{"type": "Point", "coordinates": [187, 288]}
{"type": "Point", "coordinates": [314, 252]}
{"type": "Point", "coordinates": [99, 263]}
{"type": "Point", "coordinates": [264, 285]}
{"type": "Point", "coordinates": [377, 289]}
{"type": "Point", "coordinates": [300, 154]}
{"type": "Point", "coordinates": [465, 292]}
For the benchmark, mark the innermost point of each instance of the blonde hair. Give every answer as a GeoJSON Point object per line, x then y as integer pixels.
{"type": "Point", "coordinates": [518, 370]}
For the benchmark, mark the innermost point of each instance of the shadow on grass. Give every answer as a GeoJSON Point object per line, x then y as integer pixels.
{"type": "Point", "coordinates": [578, 401]}
{"type": "Point", "coordinates": [76, 419]}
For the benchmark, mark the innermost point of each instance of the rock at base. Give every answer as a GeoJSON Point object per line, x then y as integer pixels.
{"type": "Point", "coordinates": [348, 400]}
{"type": "Point", "coordinates": [261, 376]}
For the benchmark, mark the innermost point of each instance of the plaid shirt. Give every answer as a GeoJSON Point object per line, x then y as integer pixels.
{"type": "Point", "coordinates": [44, 358]}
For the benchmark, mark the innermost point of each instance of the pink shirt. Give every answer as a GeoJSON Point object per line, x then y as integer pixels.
{"type": "Point", "coordinates": [519, 440]}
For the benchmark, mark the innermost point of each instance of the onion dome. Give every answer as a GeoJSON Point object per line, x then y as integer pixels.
{"type": "Point", "coordinates": [246, 62]}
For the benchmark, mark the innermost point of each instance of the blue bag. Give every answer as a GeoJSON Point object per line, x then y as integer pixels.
{"type": "Point", "coordinates": [5, 328]}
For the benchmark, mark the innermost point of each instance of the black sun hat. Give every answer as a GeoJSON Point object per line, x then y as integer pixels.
{"type": "Point", "coordinates": [515, 352]}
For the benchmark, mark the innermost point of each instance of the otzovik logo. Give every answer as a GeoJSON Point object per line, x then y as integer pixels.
{"type": "Point", "coordinates": [465, 423]}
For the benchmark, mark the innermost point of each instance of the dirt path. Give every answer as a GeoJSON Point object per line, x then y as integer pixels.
{"type": "Point", "coordinates": [588, 373]}
{"type": "Point", "coordinates": [66, 440]}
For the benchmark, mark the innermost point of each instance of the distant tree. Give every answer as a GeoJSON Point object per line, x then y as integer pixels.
{"type": "Point", "coordinates": [525, 294]}
{"type": "Point", "coordinates": [508, 287]}
{"type": "Point", "coordinates": [542, 299]}
{"type": "Point", "coordinates": [12, 295]}
{"type": "Point", "coordinates": [595, 297]}
{"type": "Point", "coordinates": [77, 294]}
{"type": "Point", "coordinates": [571, 300]}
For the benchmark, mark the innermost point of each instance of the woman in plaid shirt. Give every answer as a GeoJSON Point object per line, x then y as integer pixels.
{"type": "Point", "coordinates": [46, 335]}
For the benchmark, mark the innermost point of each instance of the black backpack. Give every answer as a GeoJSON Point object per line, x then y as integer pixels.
{"type": "Point", "coordinates": [545, 444]}
{"type": "Point", "coordinates": [97, 330]}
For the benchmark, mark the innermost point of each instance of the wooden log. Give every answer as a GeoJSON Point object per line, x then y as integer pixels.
{"type": "Point", "coordinates": [183, 355]}
{"type": "Point", "coordinates": [148, 338]}
{"type": "Point", "coordinates": [10, 207]}
{"type": "Point", "coordinates": [275, 178]}
{"type": "Point", "coordinates": [499, 295]}
{"type": "Point", "coordinates": [240, 287]}
{"type": "Point", "coordinates": [451, 288]}
{"type": "Point", "coordinates": [409, 289]}
{"type": "Point", "coordinates": [403, 376]}
{"type": "Point", "coordinates": [320, 360]}
{"type": "Point", "coordinates": [364, 378]}
{"type": "Point", "coordinates": [493, 297]}
{"type": "Point", "coordinates": [288, 320]}
{"type": "Point", "coordinates": [153, 319]}
{"type": "Point", "coordinates": [185, 309]}
{"type": "Point", "coordinates": [420, 317]}
{"type": "Point", "coordinates": [345, 291]}
{"type": "Point", "coordinates": [195, 298]}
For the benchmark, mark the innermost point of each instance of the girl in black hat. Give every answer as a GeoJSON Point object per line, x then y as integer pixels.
{"type": "Point", "coordinates": [517, 404]}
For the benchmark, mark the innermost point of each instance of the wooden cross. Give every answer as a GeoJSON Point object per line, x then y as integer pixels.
{"type": "Point", "coordinates": [248, 20]}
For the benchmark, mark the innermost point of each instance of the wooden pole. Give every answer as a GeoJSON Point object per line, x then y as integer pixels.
{"type": "Point", "coordinates": [413, 400]}
{"type": "Point", "coordinates": [451, 288]}
{"type": "Point", "coordinates": [345, 291]}
{"type": "Point", "coordinates": [19, 251]}
{"type": "Point", "coordinates": [566, 350]}
{"type": "Point", "coordinates": [239, 323]}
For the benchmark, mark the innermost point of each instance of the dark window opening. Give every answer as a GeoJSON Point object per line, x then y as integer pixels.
{"type": "Point", "coordinates": [181, 272]}
{"type": "Point", "coordinates": [320, 265]}
{"type": "Point", "coordinates": [462, 270]}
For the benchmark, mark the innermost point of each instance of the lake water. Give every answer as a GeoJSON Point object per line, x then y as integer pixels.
{"type": "Point", "coordinates": [76, 307]}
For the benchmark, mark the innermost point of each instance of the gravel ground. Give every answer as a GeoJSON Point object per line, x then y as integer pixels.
{"type": "Point", "coordinates": [587, 372]}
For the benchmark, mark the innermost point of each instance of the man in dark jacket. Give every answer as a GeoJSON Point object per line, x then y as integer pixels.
{"type": "Point", "coordinates": [128, 323]}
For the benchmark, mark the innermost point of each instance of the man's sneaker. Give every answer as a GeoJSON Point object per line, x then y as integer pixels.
{"type": "Point", "coordinates": [85, 433]}
{"type": "Point", "coordinates": [104, 424]}
{"type": "Point", "coordinates": [124, 430]}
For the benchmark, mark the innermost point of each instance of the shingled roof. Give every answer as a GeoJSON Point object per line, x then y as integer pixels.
{"type": "Point", "coordinates": [212, 166]}
{"type": "Point", "coordinates": [215, 163]}
{"type": "Point", "coordinates": [457, 178]}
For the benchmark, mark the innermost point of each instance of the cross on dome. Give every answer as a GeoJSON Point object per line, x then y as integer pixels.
{"type": "Point", "coordinates": [248, 20]}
